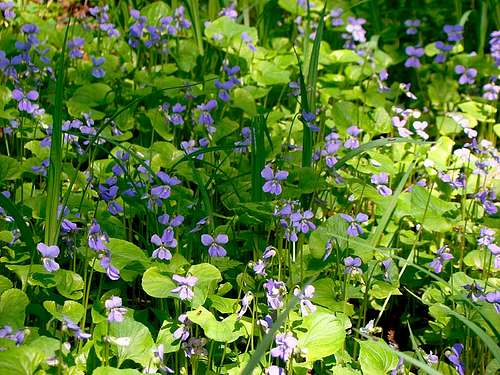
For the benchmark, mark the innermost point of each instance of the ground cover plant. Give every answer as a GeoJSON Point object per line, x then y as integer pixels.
{"type": "Point", "coordinates": [252, 187]}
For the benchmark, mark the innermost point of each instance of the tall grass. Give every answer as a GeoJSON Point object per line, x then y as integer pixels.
{"type": "Point", "coordinates": [56, 156]}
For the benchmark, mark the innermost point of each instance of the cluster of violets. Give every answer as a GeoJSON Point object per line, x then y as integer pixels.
{"type": "Point", "coordinates": [156, 36]}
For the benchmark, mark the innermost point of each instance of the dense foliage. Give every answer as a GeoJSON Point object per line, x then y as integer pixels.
{"type": "Point", "coordinates": [252, 187]}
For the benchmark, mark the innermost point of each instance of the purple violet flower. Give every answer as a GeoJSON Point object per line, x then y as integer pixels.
{"type": "Point", "coordinates": [75, 329]}
{"type": "Point", "coordinates": [275, 291]}
{"type": "Point", "coordinates": [49, 253]}
{"type": "Point", "coordinates": [167, 240]}
{"type": "Point", "coordinates": [467, 75]}
{"type": "Point", "coordinates": [272, 184]}
{"type": "Point", "coordinates": [442, 256]}
{"type": "Point", "coordinates": [24, 101]}
{"type": "Point", "coordinates": [116, 311]}
{"type": "Point", "coordinates": [185, 288]}
{"type": "Point", "coordinates": [215, 248]}
{"type": "Point", "coordinates": [454, 32]}
{"type": "Point", "coordinates": [352, 265]}
{"type": "Point", "coordinates": [304, 296]}
{"type": "Point", "coordinates": [454, 357]}
{"type": "Point", "coordinates": [285, 345]}
{"type": "Point", "coordinates": [414, 54]}
{"type": "Point", "coordinates": [354, 229]}
{"type": "Point", "coordinates": [97, 71]}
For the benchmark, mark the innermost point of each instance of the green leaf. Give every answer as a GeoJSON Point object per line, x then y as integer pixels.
{"type": "Point", "coordinates": [440, 152]}
{"type": "Point", "coordinates": [5, 284]}
{"type": "Point", "coordinates": [224, 128]}
{"type": "Point", "coordinates": [159, 124]}
{"type": "Point", "coordinates": [140, 343]}
{"type": "Point", "coordinates": [222, 304]}
{"type": "Point", "coordinates": [157, 284]}
{"type": "Point", "coordinates": [447, 126]}
{"type": "Point", "coordinates": [187, 54]}
{"type": "Point", "coordinates": [23, 360]}
{"type": "Point", "coordinates": [376, 357]}
{"type": "Point", "coordinates": [227, 330]}
{"type": "Point", "coordinates": [344, 56]}
{"type": "Point", "coordinates": [69, 284]}
{"type": "Point", "coordinates": [325, 295]}
{"type": "Point", "coordinates": [208, 278]}
{"type": "Point", "coordinates": [230, 32]}
{"type": "Point", "coordinates": [10, 168]}
{"type": "Point", "coordinates": [154, 11]}
{"type": "Point", "coordinates": [266, 73]}
{"type": "Point", "coordinates": [87, 97]}
{"type": "Point", "coordinates": [324, 336]}
{"type": "Point", "coordinates": [13, 303]}
{"type": "Point", "coordinates": [480, 111]}
{"type": "Point", "coordinates": [292, 6]}
{"type": "Point", "coordinates": [332, 227]}
{"type": "Point", "coordinates": [166, 337]}
{"type": "Point", "coordinates": [71, 309]}
{"type": "Point", "coordinates": [244, 100]}
{"type": "Point", "coordinates": [128, 258]}
{"type": "Point", "coordinates": [6, 236]}
{"type": "Point", "coordinates": [103, 370]}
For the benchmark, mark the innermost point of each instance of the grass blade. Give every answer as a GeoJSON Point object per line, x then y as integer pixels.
{"type": "Point", "coordinates": [55, 165]}
{"type": "Point", "coordinates": [487, 340]}
{"type": "Point", "coordinates": [258, 156]}
{"type": "Point", "coordinates": [309, 91]}
{"type": "Point", "coordinates": [194, 12]}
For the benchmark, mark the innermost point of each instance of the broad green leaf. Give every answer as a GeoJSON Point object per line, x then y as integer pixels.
{"type": "Point", "coordinates": [208, 278]}
{"type": "Point", "coordinates": [376, 357]}
{"type": "Point", "coordinates": [480, 111]}
{"type": "Point", "coordinates": [154, 11]}
{"type": "Point", "coordinates": [222, 304]}
{"type": "Point", "coordinates": [227, 330]}
{"type": "Point", "coordinates": [115, 371]}
{"type": "Point", "coordinates": [23, 360]}
{"type": "Point", "coordinates": [292, 6]}
{"type": "Point", "coordinates": [326, 294]}
{"type": "Point", "coordinates": [447, 126]}
{"type": "Point", "coordinates": [224, 127]}
{"type": "Point", "coordinates": [166, 337]}
{"type": "Point", "coordinates": [187, 52]}
{"type": "Point", "coordinates": [159, 123]}
{"type": "Point", "coordinates": [38, 276]}
{"type": "Point", "coordinates": [71, 309]}
{"type": "Point", "coordinates": [87, 97]}
{"type": "Point", "coordinates": [328, 230]}
{"type": "Point", "coordinates": [5, 283]}
{"type": "Point", "coordinates": [13, 303]}
{"type": "Point", "coordinates": [230, 31]}
{"type": "Point", "coordinates": [127, 257]}
{"type": "Point", "coordinates": [6, 236]}
{"type": "Point", "coordinates": [440, 152]}
{"type": "Point", "coordinates": [242, 99]}
{"type": "Point", "coordinates": [9, 169]}
{"type": "Point", "coordinates": [267, 73]}
{"type": "Point", "coordinates": [157, 284]}
{"type": "Point", "coordinates": [324, 335]}
{"type": "Point", "coordinates": [136, 343]}
{"type": "Point", "coordinates": [345, 56]}
{"type": "Point", "coordinates": [69, 284]}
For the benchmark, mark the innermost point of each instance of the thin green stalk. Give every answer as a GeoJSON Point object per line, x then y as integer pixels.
{"type": "Point", "coordinates": [483, 27]}
{"type": "Point", "coordinates": [194, 12]}
{"type": "Point", "coordinates": [55, 165]}
{"type": "Point", "coordinates": [258, 156]}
